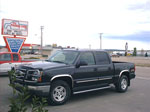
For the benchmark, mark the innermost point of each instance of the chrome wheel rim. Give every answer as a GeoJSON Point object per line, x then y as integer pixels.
{"type": "Point", "coordinates": [59, 93]}
{"type": "Point", "coordinates": [124, 84]}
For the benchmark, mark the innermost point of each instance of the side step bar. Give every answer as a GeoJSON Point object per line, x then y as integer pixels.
{"type": "Point", "coordinates": [84, 91]}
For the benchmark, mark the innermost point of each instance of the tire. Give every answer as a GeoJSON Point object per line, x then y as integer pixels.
{"type": "Point", "coordinates": [122, 84]}
{"type": "Point", "coordinates": [59, 93]}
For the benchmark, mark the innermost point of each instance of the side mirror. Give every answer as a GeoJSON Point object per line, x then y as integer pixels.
{"type": "Point", "coordinates": [81, 63]}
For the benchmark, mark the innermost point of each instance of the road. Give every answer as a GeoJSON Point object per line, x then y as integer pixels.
{"type": "Point", "coordinates": [136, 99]}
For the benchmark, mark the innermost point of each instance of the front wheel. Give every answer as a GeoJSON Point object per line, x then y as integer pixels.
{"type": "Point", "coordinates": [59, 93]}
{"type": "Point", "coordinates": [122, 84]}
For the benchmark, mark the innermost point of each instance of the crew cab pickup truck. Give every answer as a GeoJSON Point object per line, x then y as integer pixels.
{"type": "Point", "coordinates": [68, 72]}
{"type": "Point", "coordinates": [9, 60]}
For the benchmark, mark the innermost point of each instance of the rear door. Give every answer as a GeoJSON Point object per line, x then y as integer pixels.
{"type": "Point", "coordinates": [16, 60]}
{"type": "Point", "coordinates": [5, 62]}
{"type": "Point", "coordinates": [105, 69]}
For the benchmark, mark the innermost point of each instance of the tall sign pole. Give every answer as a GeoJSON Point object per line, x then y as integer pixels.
{"type": "Point", "coordinates": [13, 29]}
{"type": "Point", "coordinates": [42, 27]}
{"type": "Point", "coordinates": [101, 40]}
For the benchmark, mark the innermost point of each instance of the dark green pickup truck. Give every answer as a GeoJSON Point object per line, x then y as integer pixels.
{"type": "Point", "coordinates": [70, 72]}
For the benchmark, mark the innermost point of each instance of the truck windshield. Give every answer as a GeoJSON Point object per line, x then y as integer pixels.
{"type": "Point", "coordinates": [67, 57]}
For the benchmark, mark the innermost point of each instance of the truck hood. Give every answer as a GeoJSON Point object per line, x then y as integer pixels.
{"type": "Point", "coordinates": [43, 65]}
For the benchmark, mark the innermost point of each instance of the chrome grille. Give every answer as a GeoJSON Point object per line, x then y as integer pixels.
{"type": "Point", "coordinates": [26, 74]}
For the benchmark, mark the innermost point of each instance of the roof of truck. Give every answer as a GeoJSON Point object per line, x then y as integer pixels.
{"type": "Point", "coordinates": [84, 50]}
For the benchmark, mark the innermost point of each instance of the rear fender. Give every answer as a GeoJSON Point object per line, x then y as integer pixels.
{"type": "Point", "coordinates": [125, 72]}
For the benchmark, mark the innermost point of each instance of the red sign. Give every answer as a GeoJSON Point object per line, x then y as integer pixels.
{"type": "Point", "coordinates": [14, 27]}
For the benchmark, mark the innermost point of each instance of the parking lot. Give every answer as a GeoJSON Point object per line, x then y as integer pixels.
{"type": "Point", "coordinates": [136, 99]}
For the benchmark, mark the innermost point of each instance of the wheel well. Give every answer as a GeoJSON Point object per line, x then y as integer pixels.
{"type": "Point", "coordinates": [127, 74]}
{"type": "Point", "coordinates": [66, 79]}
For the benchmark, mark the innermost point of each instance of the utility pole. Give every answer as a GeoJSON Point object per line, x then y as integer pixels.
{"type": "Point", "coordinates": [126, 48]}
{"type": "Point", "coordinates": [89, 46]}
{"type": "Point", "coordinates": [101, 40]}
{"type": "Point", "coordinates": [42, 27]}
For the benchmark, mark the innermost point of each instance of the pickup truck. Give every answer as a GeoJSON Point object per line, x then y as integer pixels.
{"type": "Point", "coordinates": [68, 72]}
{"type": "Point", "coordinates": [9, 60]}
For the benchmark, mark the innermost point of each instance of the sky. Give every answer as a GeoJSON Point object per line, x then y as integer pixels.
{"type": "Point", "coordinates": [77, 23]}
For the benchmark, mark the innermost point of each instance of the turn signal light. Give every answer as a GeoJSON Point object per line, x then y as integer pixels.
{"type": "Point", "coordinates": [40, 78]}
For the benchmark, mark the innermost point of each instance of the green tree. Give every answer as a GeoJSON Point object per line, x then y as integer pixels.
{"type": "Point", "coordinates": [134, 52]}
{"type": "Point", "coordinates": [17, 104]}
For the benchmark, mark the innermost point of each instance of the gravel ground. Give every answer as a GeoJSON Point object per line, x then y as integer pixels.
{"type": "Point", "coordinates": [139, 61]}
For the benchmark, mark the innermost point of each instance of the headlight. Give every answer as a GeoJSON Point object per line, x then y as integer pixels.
{"type": "Point", "coordinates": [33, 72]}
{"type": "Point", "coordinates": [36, 75]}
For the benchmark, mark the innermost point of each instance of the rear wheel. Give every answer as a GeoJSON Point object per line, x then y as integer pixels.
{"type": "Point", "coordinates": [122, 84]}
{"type": "Point", "coordinates": [59, 92]}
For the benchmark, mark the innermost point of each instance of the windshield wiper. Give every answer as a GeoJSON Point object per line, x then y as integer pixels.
{"type": "Point", "coordinates": [47, 60]}
{"type": "Point", "coordinates": [59, 62]}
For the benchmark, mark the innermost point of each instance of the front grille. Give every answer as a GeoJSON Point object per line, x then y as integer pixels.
{"type": "Point", "coordinates": [25, 74]}
{"type": "Point", "coordinates": [20, 73]}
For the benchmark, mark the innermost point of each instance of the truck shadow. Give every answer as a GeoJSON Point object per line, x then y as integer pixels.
{"type": "Point", "coordinates": [83, 97]}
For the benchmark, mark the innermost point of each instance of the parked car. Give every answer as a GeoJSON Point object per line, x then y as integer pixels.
{"type": "Point", "coordinates": [69, 72]}
{"type": "Point", "coordinates": [9, 60]}
{"type": "Point", "coordinates": [114, 55]}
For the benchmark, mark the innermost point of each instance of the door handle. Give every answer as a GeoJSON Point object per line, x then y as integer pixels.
{"type": "Point", "coordinates": [95, 69]}
{"type": "Point", "coordinates": [109, 68]}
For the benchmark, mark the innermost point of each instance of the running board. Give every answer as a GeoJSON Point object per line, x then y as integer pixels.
{"type": "Point", "coordinates": [84, 91]}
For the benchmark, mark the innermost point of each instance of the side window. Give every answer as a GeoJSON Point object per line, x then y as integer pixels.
{"type": "Point", "coordinates": [87, 57]}
{"type": "Point", "coordinates": [102, 58]}
{"type": "Point", "coordinates": [15, 57]}
{"type": "Point", "coordinates": [5, 57]}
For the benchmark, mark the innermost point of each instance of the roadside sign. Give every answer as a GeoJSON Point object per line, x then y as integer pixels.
{"type": "Point", "coordinates": [14, 27]}
{"type": "Point", "coordinates": [14, 44]}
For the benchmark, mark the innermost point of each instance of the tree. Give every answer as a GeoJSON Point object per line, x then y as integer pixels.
{"type": "Point", "coordinates": [146, 55]}
{"type": "Point", "coordinates": [17, 104]}
{"type": "Point", "coordinates": [134, 52]}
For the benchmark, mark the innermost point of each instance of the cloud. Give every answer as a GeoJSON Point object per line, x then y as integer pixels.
{"type": "Point", "coordinates": [140, 6]}
{"type": "Point", "coordinates": [142, 36]}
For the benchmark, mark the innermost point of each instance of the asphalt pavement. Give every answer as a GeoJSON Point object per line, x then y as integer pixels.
{"type": "Point", "coordinates": [136, 99]}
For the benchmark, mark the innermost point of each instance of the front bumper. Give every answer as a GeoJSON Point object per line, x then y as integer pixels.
{"type": "Point", "coordinates": [40, 90]}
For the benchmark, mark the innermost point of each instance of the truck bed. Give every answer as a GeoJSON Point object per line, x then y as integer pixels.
{"type": "Point", "coordinates": [119, 66]}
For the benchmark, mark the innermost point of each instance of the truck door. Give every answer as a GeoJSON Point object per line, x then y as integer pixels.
{"type": "Point", "coordinates": [5, 62]}
{"type": "Point", "coordinates": [105, 69]}
{"type": "Point", "coordinates": [86, 75]}
{"type": "Point", "coordinates": [16, 60]}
